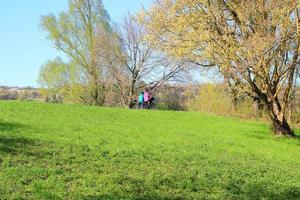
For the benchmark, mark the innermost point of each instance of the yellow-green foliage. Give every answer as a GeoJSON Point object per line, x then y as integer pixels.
{"type": "Point", "coordinates": [74, 33]}
{"type": "Point", "coordinates": [213, 98]}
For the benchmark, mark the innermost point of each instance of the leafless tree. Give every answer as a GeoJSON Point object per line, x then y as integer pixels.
{"type": "Point", "coordinates": [134, 62]}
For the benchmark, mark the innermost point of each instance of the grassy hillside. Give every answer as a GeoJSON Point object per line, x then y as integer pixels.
{"type": "Point", "coordinates": [79, 152]}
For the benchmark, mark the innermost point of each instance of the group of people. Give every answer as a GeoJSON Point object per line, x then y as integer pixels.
{"type": "Point", "coordinates": [145, 100]}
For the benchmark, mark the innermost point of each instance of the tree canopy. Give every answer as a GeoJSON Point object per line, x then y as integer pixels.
{"type": "Point", "coordinates": [253, 42]}
{"type": "Point", "coordinates": [74, 33]}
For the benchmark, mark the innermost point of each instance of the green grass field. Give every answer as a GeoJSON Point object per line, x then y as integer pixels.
{"type": "Point", "coordinates": [52, 151]}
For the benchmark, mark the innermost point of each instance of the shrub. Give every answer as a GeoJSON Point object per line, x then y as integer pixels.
{"type": "Point", "coordinates": [214, 98]}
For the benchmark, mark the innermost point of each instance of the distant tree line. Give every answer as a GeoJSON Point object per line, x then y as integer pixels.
{"type": "Point", "coordinates": [19, 93]}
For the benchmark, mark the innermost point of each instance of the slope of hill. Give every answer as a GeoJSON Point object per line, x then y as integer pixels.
{"type": "Point", "coordinates": [50, 151]}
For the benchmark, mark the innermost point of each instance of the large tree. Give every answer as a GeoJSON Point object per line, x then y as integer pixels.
{"type": "Point", "coordinates": [134, 62]}
{"type": "Point", "coordinates": [74, 33]}
{"type": "Point", "coordinates": [255, 42]}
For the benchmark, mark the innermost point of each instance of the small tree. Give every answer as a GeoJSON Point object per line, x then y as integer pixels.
{"type": "Point", "coordinates": [256, 42]}
{"type": "Point", "coordinates": [64, 79]}
{"type": "Point", "coordinates": [55, 74]}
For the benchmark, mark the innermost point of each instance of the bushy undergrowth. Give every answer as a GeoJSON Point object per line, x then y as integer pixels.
{"type": "Point", "coordinates": [50, 151]}
{"type": "Point", "coordinates": [216, 99]}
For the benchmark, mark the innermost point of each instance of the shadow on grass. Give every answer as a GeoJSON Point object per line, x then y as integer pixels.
{"type": "Point", "coordinates": [8, 126]}
{"type": "Point", "coordinates": [259, 190]}
{"type": "Point", "coordinates": [266, 134]}
{"type": "Point", "coordinates": [13, 145]}
{"type": "Point", "coordinates": [255, 191]}
{"type": "Point", "coordinates": [10, 143]}
{"type": "Point", "coordinates": [26, 148]}
{"type": "Point", "coordinates": [132, 196]}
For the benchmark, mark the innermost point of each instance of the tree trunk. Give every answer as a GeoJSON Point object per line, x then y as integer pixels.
{"type": "Point", "coordinates": [274, 109]}
{"type": "Point", "coordinates": [97, 94]}
{"type": "Point", "coordinates": [98, 90]}
{"type": "Point", "coordinates": [282, 128]}
{"type": "Point", "coordinates": [132, 102]}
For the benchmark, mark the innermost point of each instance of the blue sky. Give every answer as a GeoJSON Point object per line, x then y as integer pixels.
{"type": "Point", "coordinates": [23, 47]}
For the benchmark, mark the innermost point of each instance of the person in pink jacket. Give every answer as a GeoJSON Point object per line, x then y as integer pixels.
{"type": "Point", "coordinates": [146, 98]}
